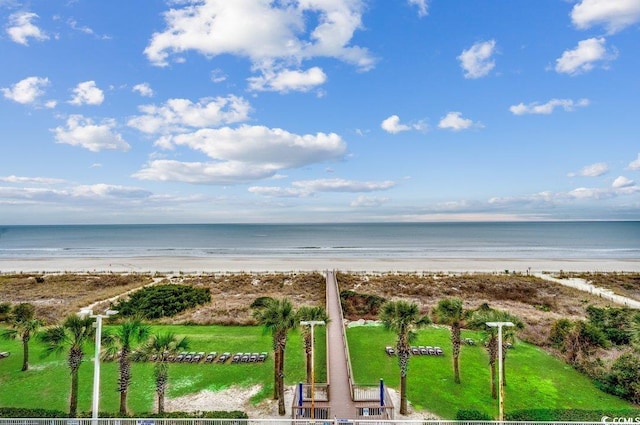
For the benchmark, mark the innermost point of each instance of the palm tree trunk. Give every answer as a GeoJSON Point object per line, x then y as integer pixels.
{"type": "Point", "coordinates": [25, 353]}
{"type": "Point", "coordinates": [73, 399]}
{"type": "Point", "coordinates": [281, 407]}
{"type": "Point", "coordinates": [124, 380]}
{"type": "Point", "coordinates": [492, 367]}
{"type": "Point", "coordinates": [276, 371]}
{"type": "Point", "coordinates": [504, 370]}
{"type": "Point", "coordinates": [455, 341]}
{"type": "Point", "coordinates": [307, 345]}
{"type": "Point", "coordinates": [161, 400]}
{"type": "Point", "coordinates": [404, 363]}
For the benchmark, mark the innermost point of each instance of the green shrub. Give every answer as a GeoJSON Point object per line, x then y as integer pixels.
{"type": "Point", "coordinates": [472, 415]}
{"type": "Point", "coordinates": [569, 415]}
{"type": "Point", "coordinates": [23, 412]}
{"type": "Point", "coordinates": [19, 412]}
{"type": "Point", "coordinates": [163, 301]}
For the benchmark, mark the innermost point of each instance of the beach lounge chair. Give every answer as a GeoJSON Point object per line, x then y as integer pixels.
{"type": "Point", "coordinates": [187, 358]}
{"type": "Point", "coordinates": [253, 358]}
{"type": "Point", "coordinates": [263, 356]}
{"type": "Point", "coordinates": [236, 357]}
{"type": "Point", "coordinates": [197, 357]}
{"type": "Point", "coordinates": [224, 357]}
{"type": "Point", "coordinates": [415, 351]}
{"type": "Point", "coordinates": [180, 356]}
{"type": "Point", "coordinates": [211, 357]}
{"type": "Point", "coordinates": [430, 350]}
{"type": "Point", "coordinates": [438, 351]}
{"type": "Point", "coordinates": [423, 350]}
{"type": "Point", "coordinates": [245, 357]}
{"type": "Point", "coordinates": [4, 354]}
{"type": "Point", "coordinates": [389, 350]}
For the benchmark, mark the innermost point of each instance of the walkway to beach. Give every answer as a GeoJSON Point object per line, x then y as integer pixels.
{"type": "Point", "coordinates": [583, 285]}
{"type": "Point", "coordinates": [342, 406]}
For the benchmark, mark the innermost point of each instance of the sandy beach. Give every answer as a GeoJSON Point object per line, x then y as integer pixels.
{"type": "Point", "coordinates": [190, 265]}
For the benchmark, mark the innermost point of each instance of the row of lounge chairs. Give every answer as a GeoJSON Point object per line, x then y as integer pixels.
{"type": "Point", "coordinates": [419, 350]}
{"type": "Point", "coordinates": [197, 357]}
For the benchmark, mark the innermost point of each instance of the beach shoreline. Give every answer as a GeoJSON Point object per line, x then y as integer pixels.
{"type": "Point", "coordinates": [196, 265]}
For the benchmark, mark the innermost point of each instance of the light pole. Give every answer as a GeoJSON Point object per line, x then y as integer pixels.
{"type": "Point", "coordinates": [312, 324]}
{"type": "Point", "coordinates": [96, 360]}
{"type": "Point", "coordinates": [499, 325]}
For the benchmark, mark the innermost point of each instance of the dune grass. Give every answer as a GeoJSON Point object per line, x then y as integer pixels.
{"type": "Point", "coordinates": [534, 378]}
{"type": "Point", "coordinates": [47, 383]}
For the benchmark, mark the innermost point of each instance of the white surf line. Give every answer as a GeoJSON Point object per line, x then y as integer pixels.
{"type": "Point", "coordinates": [585, 286]}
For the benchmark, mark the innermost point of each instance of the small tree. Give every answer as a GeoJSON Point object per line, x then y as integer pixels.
{"type": "Point", "coordinates": [307, 314]}
{"type": "Point", "coordinates": [160, 348]}
{"type": "Point", "coordinates": [450, 312]}
{"type": "Point", "coordinates": [120, 344]}
{"type": "Point", "coordinates": [74, 333]}
{"type": "Point", "coordinates": [402, 318]}
{"type": "Point", "coordinates": [277, 317]}
{"type": "Point", "coordinates": [23, 325]}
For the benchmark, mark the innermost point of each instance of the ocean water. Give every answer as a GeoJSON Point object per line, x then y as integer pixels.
{"type": "Point", "coordinates": [541, 240]}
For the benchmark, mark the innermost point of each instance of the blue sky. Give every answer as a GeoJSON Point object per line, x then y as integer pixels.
{"type": "Point", "coordinates": [185, 111]}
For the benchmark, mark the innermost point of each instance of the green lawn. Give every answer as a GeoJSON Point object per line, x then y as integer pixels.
{"type": "Point", "coordinates": [47, 382]}
{"type": "Point", "coordinates": [535, 379]}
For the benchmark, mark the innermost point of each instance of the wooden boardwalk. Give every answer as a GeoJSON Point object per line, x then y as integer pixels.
{"type": "Point", "coordinates": [342, 405]}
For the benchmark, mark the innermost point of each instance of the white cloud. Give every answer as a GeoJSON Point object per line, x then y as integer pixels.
{"type": "Point", "coordinates": [392, 125]}
{"type": "Point", "coordinates": [454, 121]}
{"type": "Point", "coordinates": [593, 170]}
{"type": "Point", "coordinates": [27, 90]}
{"type": "Point", "coordinates": [589, 193]}
{"type": "Point", "coordinates": [218, 76]}
{"type": "Point", "coordinates": [584, 57]}
{"type": "Point", "coordinates": [263, 145]}
{"type": "Point", "coordinates": [30, 180]}
{"type": "Point", "coordinates": [182, 114]}
{"type": "Point", "coordinates": [288, 80]}
{"type": "Point", "coordinates": [81, 131]}
{"type": "Point", "coordinates": [306, 188]}
{"type": "Point", "coordinates": [20, 28]}
{"type": "Point", "coordinates": [621, 182]}
{"type": "Point", "coordinates": [273, 35]}
{"type": "Point", "coordinates": [635, 164]}
{"type": "Point", "coordinates": [363, 201]}
{"type": "Point", "coordinates": [243, 154]}
{"type": "Point", "coordinates": [477, 60]}
{"type": "Point", "coordinates": [614, 15]}
{"type": "Point", "coordinates": [549, 107]}
{"type": "Point", "coordinates": [422, 5]}
{"type": "Point", "coordinates": [87, 93]}
{"type": "Point", "coordinates": [227, 172]}
{"type": "Point", "coordinates": [143, 89]}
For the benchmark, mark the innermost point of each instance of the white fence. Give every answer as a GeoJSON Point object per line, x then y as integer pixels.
{"type": "Point", "coordinates": [283, 421]}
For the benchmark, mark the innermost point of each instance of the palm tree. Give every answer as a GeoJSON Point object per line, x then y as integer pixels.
{"type": "Point", "coordinates": [161, 348]}
{"type": "Point", "coordinates": [402, 318]}
{"type": "Point", "coordinates": [24, 325]}
{"type": "Point", "coordinates": [307, 314]}
{"type": "Point", "coordinates": [120, 345]}
{"type": "Point", "coordinates": [74, 333]}
{"type": "Point", "coordinates": [450, 312]}
{"type": "Point", "coordinates": [478, 320]}
{"type": "Point", "coordinates": [278, 317]}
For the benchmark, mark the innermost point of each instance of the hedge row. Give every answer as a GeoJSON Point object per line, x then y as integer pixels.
{"type": "Point", "coordinates": [18, 412]}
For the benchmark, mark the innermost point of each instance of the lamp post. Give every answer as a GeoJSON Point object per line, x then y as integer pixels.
{"type": "Point", "coordinates": [96, 360]}
{"type": "Point", "coordinates": [312, 324]}
{"type": "Point", "coordinates": [499, 325]}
